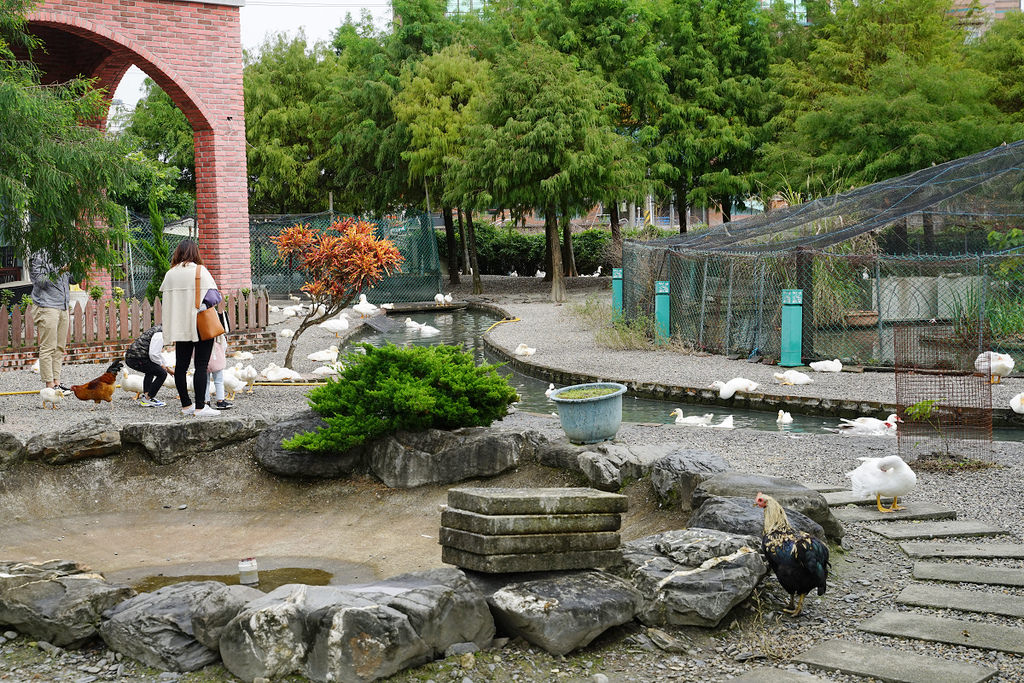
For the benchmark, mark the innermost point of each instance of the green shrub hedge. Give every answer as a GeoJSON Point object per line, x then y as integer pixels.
{"type": "Point", "coordinates": [392, 388]}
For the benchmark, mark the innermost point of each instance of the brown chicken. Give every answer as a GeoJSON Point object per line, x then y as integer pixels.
{"type": "Point", "coordinates": [101, 388]}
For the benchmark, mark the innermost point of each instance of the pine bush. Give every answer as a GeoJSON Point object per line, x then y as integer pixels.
{"type": "Point", "coordinates": [392, 389]}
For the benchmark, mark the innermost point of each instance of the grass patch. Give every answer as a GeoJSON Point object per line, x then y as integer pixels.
{"type": "Point", "coordinates": [590, 392]}
{"type": "Point", "coordinates": [620, 335]}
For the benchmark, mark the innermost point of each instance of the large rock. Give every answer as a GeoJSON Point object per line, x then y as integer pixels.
{"type": "Point", "coordinates": [56, 601]}
{"type": "Point", "coordinates": [156, 628]}
{"type": "Point", "coordinates": [564, 612]}
{"type": "Point", "coordinates": [691, 577]}
{"type": "Point", "coordinates": [166, 442]}
{"type": "Point", "coordinates": [93, 438]}
{"type": "Point", "coordinates": [739, 516]}
{"type": "Point", "coordinates": [607, 466]}
{"type": "Point", "coordinates": [675, 476]}
{"type": "Point", "coordinates": [12, 450]}
{"type": "Point", "coordinates": [790, 494]}
{"type": "Point", "coordinates": [220, 607]}
{"type": "Point", "coordinates": [274, 458]}
{"type": "Point", "coordinates": [408, 459]}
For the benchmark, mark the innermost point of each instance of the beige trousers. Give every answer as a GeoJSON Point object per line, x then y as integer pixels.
{"type": "Point", "coordinates": [52, 332]}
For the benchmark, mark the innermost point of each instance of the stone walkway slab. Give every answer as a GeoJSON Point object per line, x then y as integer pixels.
{"type": "Point", "coordinates": [964, 527]}
{"type": "Point", "coordinates": [527, 524]}
{"type": "Point", "coordinates": [535, 501]}
{"type": "Point", "coordinates": [969, 573]}
{"type": "Point", "coordinates": [917, 511]}
{"type": "Point", "coordinates": [888, 664]}
{"type": "Point", "coordinates": [973, 550]}
{"type": "Point", "coordinates": [530, 562]}
{"type": "Point", "coordinates": [511, 544]}
{"type": "Point", "coordinates": [840, 498]}
{"type": "Point", "coordinates": [943, 597]}
{"type": "Point", "coordinates": [766, 674]}
{"type": "Point", "coordinates": [826, 488]}
{"type": "Point", "coordinates": [942, 630]}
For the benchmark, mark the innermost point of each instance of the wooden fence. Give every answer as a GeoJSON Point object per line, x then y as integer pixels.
{"type": "Point", "coordinates": [105, 321]}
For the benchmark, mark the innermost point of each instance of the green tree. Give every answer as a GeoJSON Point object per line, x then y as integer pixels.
{"type": "Point", "coordinates": [286, 86]}
{"type": "Point", "coordinates": [57, 173]}
{"type": "Point", "coordinates": [1000, 55]}
{"type": "Point", "coordinates": [158, 252]}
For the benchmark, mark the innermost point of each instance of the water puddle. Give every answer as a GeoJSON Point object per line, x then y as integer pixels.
{"type": "Point", "coordinates": [269, 579]}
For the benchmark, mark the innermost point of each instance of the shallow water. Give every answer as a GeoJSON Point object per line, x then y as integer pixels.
{"type": "Point", "coordinates": [467, 326]}
{"type": "Point", "coordinates": [269, 579]}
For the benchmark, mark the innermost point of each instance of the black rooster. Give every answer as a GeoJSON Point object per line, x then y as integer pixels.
{"type": "Point", "coordinates": [799, 560]}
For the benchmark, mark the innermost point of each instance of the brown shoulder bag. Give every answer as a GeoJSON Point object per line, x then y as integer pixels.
{"type": "Point", "coordinates": [207, 321]}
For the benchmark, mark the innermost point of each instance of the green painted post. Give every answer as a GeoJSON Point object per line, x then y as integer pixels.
{"type": "Point", "coordinates": [792, 327]}
{"type": "Point", "coordinates": [616, 293]}
{"type": "Point", "coordinates": [661, 329]}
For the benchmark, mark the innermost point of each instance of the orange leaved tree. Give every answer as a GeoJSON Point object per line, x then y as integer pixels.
{"type": "Point", "coordinates": [338, 264]}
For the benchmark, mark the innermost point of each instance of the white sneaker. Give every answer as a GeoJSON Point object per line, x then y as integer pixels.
{"type": "Point", "coordinates": [207, 411]}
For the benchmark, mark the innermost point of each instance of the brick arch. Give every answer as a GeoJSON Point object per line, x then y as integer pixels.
{"type": "Point", "coordinates": [192, 50]}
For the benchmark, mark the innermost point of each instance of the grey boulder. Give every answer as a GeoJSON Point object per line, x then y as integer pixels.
{"type": "Point", "coordinates": [675, 476]}
{"type": "Point", "coordinates": [218, 609]}
{"type": "Point", "coordinates": [739, 516]}
{"type": "Point", "coordinates": [93, 438]}
{"type": "Point", "coordinates": [273, 457]}
{"type": "Point", "coordinates": [156, 628]}
{"type": "Point", "coordinates": [433, 456]}
{"type": "Point", "coordinates": [606, 466]}
{"type": "Point", "coordinates": [691, 577]}
{"type": "Point", "coordinates": [12, 450]}
{"type": "Point", "coordinates": [166, 442]}
{"type": "Point", "coordinates": [57, 601]}
{"type": "Point", "coordinates": [561, 613]}
{"type": "Point", "coordinates": [790, 494]}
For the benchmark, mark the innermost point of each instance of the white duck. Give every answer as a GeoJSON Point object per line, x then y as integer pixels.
{"type": "Point", "coordinates": [429, 330]}
{"type": "Point", "coordinates": [888, 476]}
{"type": "Point", "coordinates": [784, 418]}
{"type": "Point", "coordinates": [332, 369]}
{"type": "Point", "coordinates": [277, 374]}
{"type": "Point", "coordinates": [996, 365]}
{"type": "Point", "coordinates": [335, 325]}
{"type": "Point", "coordinates": [295, 298]}
{"type": "Point", "coordinates": [131, 383]}
{"type": "Point", "coordinates": [826, 365]}
{"type": "Point", "coordinates": [550, 390]}
{"type": "Point", "coordinates": [328, 354]}
{"type": "Point", "coordinates": [448, 299]}
{"type": "Point", "coordinates": [35, 367]}
{"type": "Point", "coordinates": [232, 383]}
{"type": "Point", "coordinates": [168, 359]}
{"type": "Point", "coordinates": [869, 426]}
{"type": "Point", "coordinates": [727, 390]}
{"type": "Point", "coordinates": [524, 350]}
{"type": "Point", "coordinates": [692, 420]}
{"type": "Point", "coordinates": [412, 324]}
{"type": "Point", "coordinates": [792, 377]}
{"type": "Point", "coordinates": [540, 273]}
{"type": "Point", "coordinates": [243, 355]}
{"type": "Point", "coordinates": [1017, 403]}
{"type": "Point", "coordinates": [249, 375]}
{"type": "Point", "coordinates": [275, 309]}
{"type": "Point", "coordinates": [286, 333]}
{"type": "Point", "coordinates": [439, 299]}
{"type": "Point", "coordinates": [726, 423]}
{"type": "Point", "coordinates": [51, 395]}
{"type": "Point", "coordinates": [364, 308]}
{"type": "Point", "coordinates": [387, 307]}
{"type": "Point", "coordinates": [292, 311]}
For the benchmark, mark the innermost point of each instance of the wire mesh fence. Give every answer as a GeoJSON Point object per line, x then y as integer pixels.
{"type": "Point", "coordinates": [418, 280]}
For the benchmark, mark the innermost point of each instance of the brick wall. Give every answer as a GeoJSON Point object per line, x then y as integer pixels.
{"type": "Point", "coordinates": [194, 52]}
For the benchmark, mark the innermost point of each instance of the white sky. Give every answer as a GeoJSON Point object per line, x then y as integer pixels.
{"type": "Point", "coordinates": [318, 18]}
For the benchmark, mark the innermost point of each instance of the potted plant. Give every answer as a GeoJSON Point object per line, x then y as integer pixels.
{"type": "Point", "coordinates": [590, 412]}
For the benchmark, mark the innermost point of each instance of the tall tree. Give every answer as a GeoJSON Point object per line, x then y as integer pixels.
{"type": "Point", "coordinates": [56, 172]}
{"type": "Point", "coordinates": [1000, 55]}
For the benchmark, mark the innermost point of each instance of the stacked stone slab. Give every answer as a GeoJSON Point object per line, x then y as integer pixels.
{"type": "Point", "coordinates": [500, 530]}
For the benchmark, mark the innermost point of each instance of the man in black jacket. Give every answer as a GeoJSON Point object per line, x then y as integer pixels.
{"type": "Point", "coordinates": [144, 355]}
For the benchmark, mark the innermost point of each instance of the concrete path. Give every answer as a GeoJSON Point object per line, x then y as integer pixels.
{"type": "Point", "coordinates": [766, 674]}
{"type": "Point", "coordinates": [969, 573]}
{"type": "Point", "coordinates": [943, 630]}
{"type": "Point", "coordinates": [943, 597]}
{"type": "Point", "coordinates": [919, 511]}
{"type": "Point", "coordinates": [922, 549]}
{"type": "Point", "coordinates": [840, 498]}
{"type": "Point", "coordinates": [962, 528]}
{"type": "Point", "coordinates": [826, 488]}
{"type": "Point", "coordinates": [887, 664]}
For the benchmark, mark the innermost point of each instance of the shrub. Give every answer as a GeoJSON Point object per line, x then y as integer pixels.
{"type": "Point", "coordinates": [96, 292]}
{"type": "Point", "coordinates": [390, 389]}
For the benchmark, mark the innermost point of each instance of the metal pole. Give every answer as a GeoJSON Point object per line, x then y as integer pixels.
{"type": "Point", "coordinates": [760, 304]}
{"type": "Point", "coordinates": [703, 303]}
{"type": "Point", "coordinates": [728, 309]}
{"type": "Point", "coordinates": [983, 272]}
{"type": "Point", "coordinates": [878, 303]}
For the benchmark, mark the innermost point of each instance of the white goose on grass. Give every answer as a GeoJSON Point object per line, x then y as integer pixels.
{"type": "Point", "coordinates": [792, 377]}
{"type": "Point", "coordinates": [692, 420]}
{"type": "Point", "coordinates": [826, 365]}
{"type": "Point", "coordinates": [364, 308]}
{"type": "Point", "coordinates": [524, 350]}
{"type": "Point", "coordinates": [888, 476]}
{"type": "Point", "coordinates": [727, 390]}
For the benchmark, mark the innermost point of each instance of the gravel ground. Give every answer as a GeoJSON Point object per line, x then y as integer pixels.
{"type": "Point", "coordinates": [868, 572]}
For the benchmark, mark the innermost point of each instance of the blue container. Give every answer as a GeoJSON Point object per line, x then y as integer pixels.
{"type": "Point", "coordinates": [590, 420]}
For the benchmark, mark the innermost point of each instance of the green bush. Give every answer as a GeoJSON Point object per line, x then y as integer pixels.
{"type": "Point", "coordinates": [391, 388]}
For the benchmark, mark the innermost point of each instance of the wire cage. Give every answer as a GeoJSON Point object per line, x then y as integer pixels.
{"type": "Point", "coordinates": [944, 403]}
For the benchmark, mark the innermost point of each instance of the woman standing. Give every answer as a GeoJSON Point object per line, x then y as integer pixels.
{"type": "Point", "coordinates": [179, 323]}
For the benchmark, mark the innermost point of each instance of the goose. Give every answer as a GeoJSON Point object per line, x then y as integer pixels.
{"type": "Point", "coordinates": [232, 383]}
{"type": "Point", "coordinates": [286, 333]}
{"type": "Point", "coordinates": [1017, 403]}
{"type": "Point", "coordinates": [295, 298]}
{"type": "Point", "coordinates": [540, 273]}
{"type": "Point", "coordinates": [248, 374]}
{"type": "Point", "coordinates": [996, 365]}
{"type": "Point", "coordinates": [291, 311]}
{"type": "Point", "coordinates": [51, 395]}
{"type": "Point", "coordinates": [727, 390]}
{"type": "Point", "coordinates": [597, 273]}
{"type": "Point", "coordinates": [429, 330]}
{"type": "Point", "coordinates": [448, 299]}
{"type": "Point", "coordinates": [335, 325]}
{"type": "Point", "coordinates": [364, 308]}
{"type": "Point", "coordinates": [412, 324]}
{"type": "Point", "coordinates": [330, 353]}
{"type": "Point", "coordinates": [35, 367]}
{"type": "Point", "coordinates": [692, 420]}
{"type": "Point", "coordinates": [524, 350]}
{"type": "Point", "coordinates": [277, 374]}
{"type": "Point", "coordinates": [726, 423]}
{"type": "Point", "coordinates": [439, 299]}
{"type": "Point", "coordinates": [826, 365]}
{"type": "Point", "coordinates": [784, 418]}
{"type": "Point", "coordinates": [888, 476]}
{"type": "Point", "coordinates": [242, 355]}
{"type": "Point", "coordinates": [387, 307]}
{"type": "Point", "coordinates": [513, 274]}
{"type": "Point", "coordinates": [332, 369]}
{"type": "Point", "coordinates": [550, 390]}
{"type": "Point", "coordinates": [275, 309]}
{"type": "Point", "coordinates": [869, 426]}
{"type": "Point", "coordinates": [131, 383]}
{"type": "Point", "coordinates": [792, 377]}
{"type": "Point", "coordinates": [265, 371]}
{"type": "Point", "coordinates": [167, 359]}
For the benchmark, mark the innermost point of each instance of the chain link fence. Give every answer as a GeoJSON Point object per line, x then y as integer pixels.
{"type": "Point", "coordinates": [418, 280]}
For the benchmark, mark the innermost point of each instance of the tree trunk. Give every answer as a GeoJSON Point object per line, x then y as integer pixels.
{"type": "Point", "coordinates": [902, 240]}
{"type": "Point", "coordinates": [548, 268]}
{"type": "Point", "coordinates": [555, 270]}
{"type": "Point", "coordinates": [449, 238]}
{"type": "Point", "coordinates": [568, 257]}
{"type": "Point", "coordinates": [929, 232]}
{"type": "Point", "coordinates": [683, 206]}
{"type": "Point", "coordinates": [464, 261]}
{"type": "Point", "coordinates": [613, 220]}
{"type": "Point", "coordinates": [726, 203]}
{"type": "Point", "coordinates": [478, 287]}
